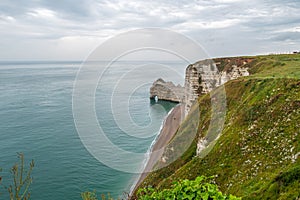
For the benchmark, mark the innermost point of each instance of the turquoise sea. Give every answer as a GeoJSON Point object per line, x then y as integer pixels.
{"type": "Point", "coordinates": [36, 118]}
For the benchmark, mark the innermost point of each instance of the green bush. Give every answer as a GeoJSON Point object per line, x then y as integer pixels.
{"type": "Point", "coordinates": [200, 188]}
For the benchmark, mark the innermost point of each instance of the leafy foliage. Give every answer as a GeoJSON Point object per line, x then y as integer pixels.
{"type": "Point", "coordinates": [199, 188]}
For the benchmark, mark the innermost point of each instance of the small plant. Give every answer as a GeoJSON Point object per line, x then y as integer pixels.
{"type": "Point", "coordinates": [89, 196]}
{"type": "Point", "coordinates": [200, 188]}
{"type": "Point", "coordinates": [22, 180]}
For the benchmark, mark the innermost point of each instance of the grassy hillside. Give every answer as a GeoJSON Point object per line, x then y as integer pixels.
{"type": "Point", "coordinates": [257, 155]}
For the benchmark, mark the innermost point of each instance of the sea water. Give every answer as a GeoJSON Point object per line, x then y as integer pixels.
{"type": "Point", "coordinates": [36, 119]}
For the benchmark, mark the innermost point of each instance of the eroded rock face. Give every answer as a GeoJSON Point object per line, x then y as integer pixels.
{"type": "Point", "coordinates": [200, 78]}
{"type": "Point", "coordinates": [166, 91]}
{"type": "Point", "coordinates": [203, 76]}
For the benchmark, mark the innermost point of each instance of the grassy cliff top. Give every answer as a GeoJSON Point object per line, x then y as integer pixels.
{"type": "Point", "coordinates": [257, 154]}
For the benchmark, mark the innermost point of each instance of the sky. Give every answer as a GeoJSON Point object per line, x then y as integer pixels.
{"type": "Point", "coordinates": [72, 29]}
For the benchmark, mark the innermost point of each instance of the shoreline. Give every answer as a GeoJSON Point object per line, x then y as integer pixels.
{"type": "Point", "coordinates": [148, 153]}
{"type": "Point", "coordinates": [168, 129]}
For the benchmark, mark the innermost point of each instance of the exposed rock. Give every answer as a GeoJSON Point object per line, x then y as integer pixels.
{"type": "Point", "coordinates": [201, 145]}
{"type": "Point", "coordinates": [200, 78]}
{"type": "Point", "coordinates": [166, 91]}
{"type": "Point", "coordinates": [203, 76]}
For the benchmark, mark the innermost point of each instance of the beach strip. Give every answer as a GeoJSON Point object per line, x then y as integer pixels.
{"type": "Point", "coordinates": [170, 126]}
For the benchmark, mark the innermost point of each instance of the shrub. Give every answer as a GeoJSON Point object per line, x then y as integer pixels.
{"type": "Point", "coordinates": [200, 188]}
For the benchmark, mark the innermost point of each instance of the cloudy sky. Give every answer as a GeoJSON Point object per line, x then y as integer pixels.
{"type": "Point", "coordinates": [71, 29]}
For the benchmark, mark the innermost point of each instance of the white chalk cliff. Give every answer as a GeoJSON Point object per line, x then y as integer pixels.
{"type": "Point", "coordinates": [203, 76]}
{"type": "Point", "coordinates": [200, 78]}
{"type": "Point", "coordinates": [166, 91]}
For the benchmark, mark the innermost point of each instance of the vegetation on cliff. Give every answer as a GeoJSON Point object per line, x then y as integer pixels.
{"type": "Point", "coordinates": [200, 188]}
{"type": "Point", "coordinates": [257, 154]}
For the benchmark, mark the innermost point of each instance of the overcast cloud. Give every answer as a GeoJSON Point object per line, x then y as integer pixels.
{"type": "Point", "coordinates": [71, 29]}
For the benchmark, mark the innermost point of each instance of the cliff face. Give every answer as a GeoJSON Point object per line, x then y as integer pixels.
{"type": "Point", "coordinates": [203, 76]}
{"type": "Point", "coordinates": [200, 78]}
{"type": "Point", "coordinates": [166, 91]}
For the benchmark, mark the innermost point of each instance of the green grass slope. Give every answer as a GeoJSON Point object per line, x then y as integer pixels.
{"type": "Point", "coordinates": [257, 154]}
